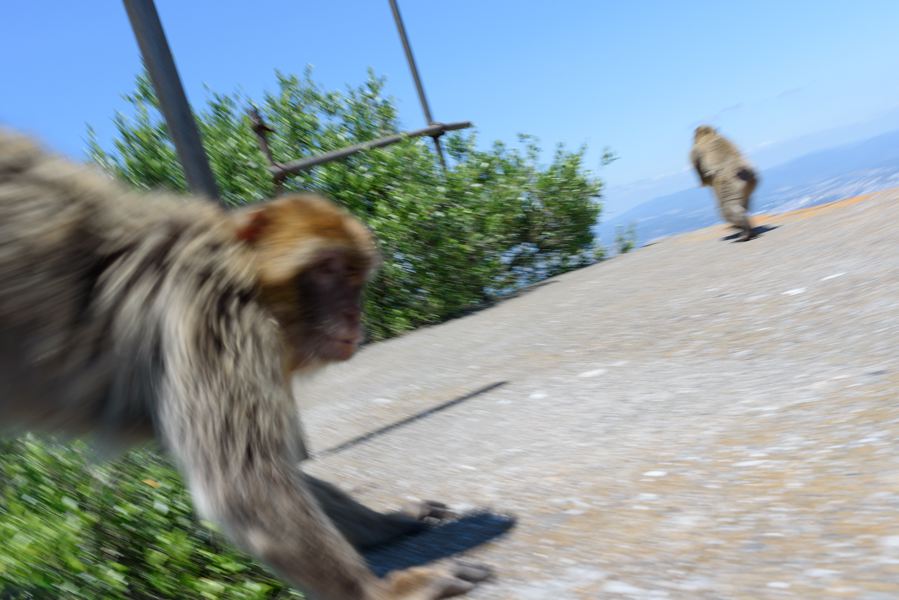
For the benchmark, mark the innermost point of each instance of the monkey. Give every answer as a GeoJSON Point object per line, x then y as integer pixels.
{"type": "Point", "coordinates": [131, 316]}
{"type": "Point", "coordinates": [720, 165]}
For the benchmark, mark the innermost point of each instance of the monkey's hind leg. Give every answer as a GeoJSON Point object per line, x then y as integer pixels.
{"type": "Point", "coordinates": [364, 527]}
{"type": "Point", "coordinates": [734, 213]}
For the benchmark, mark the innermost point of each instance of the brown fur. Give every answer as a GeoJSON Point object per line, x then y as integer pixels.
{"type": "Point", "coordinates": [721, 166]}
{"type": "Point", "coordinates": [137, 316]}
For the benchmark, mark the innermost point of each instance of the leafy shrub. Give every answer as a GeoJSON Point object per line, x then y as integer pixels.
{"type": "Point", "coordinates": [497, 220]}
{"type": "Point", "coordinates": [74, 529]}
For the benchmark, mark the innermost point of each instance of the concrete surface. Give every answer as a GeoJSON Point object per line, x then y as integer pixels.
{"type": "Point", "coordinates": [697, 419]}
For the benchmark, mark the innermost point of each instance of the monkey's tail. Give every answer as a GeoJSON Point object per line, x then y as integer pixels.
{"type": "Point", "coordinates": [748, 175]}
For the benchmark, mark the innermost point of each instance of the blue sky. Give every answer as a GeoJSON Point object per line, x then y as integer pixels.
{"type": "Point", "coordinates": [634, 76]}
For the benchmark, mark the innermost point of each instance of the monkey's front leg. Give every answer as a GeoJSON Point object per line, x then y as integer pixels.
{"type": "Point", "coordinates": [364, 527]}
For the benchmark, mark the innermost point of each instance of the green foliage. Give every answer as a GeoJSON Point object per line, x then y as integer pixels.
{"type": "Point", "coordinates": [73, 529]}
{"type": "Point", "coordinates": [497, 220]}
{"type": "Point", "coordinates": [625, 241]}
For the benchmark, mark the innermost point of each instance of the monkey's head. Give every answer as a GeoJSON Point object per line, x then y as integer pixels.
{"type": "Point", "coordinates": [703, 131]}
{"type": "Point", "coordinates": [313, 261]}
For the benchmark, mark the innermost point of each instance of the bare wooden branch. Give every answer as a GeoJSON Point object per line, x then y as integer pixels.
{"type": "Point", "coordinates": [261, 129]}
{"type": "Point", "coordinates": [280, 172]}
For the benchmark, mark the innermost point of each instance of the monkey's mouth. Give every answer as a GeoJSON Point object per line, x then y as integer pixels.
{"type": "Point", "coordinates": [341, 348]}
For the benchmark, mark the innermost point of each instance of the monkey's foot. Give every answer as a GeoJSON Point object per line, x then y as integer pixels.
{"type": "Point", "coordinates": [427, 583]}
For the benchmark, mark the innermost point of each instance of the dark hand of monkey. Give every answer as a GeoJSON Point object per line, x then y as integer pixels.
{"type": "Point", "coordinates": [364, 527]}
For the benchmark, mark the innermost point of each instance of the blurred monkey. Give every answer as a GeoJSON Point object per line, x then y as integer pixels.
{"type": "Point", "coordinates": [135, 316]}
{"type": "Point", "coordinates": [720, 165]}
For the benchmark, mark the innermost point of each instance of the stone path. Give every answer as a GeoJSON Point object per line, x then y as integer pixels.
{"type": "Point", "coordinates": [697, 419]}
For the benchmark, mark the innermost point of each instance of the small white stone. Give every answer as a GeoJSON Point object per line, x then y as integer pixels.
{"type": "Point", "coordinates": [695, 584]}
{"type": "Point", "coordinates": [749, 463]}
{"type": "Point", "coordinates": [585, 574]}
{"type": "Point", "coordinates": [382, 401]}
{"type": "Point", "coordinates": [778, 585]}
{"type": "Point", "coordinates": [537, 396]}
{"type": "Point", "coordinates": [834, 276]}
{"type": "Point", "coordinates": [820, 573]}
{"type": "Point", "coordinates": [503, 402]}
{"type": "Point", "coordinates": [592, 373]}
{"type": "Point", "coordinates": [794, 292]}
{"type": "Point", "coordinates": [655, 473]}
{"type": "Point", "coordinates": [619, 587]}
{"type": "Point", "coordinates": [890, 542]}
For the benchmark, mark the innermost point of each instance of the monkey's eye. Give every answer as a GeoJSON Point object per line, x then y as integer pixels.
{"type": "Point", "coordinates": [329, 270]}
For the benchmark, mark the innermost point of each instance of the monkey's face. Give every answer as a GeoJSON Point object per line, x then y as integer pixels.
{"type": "Point", "coordinates": [328, 321]}
{"type": "Point", "coordinates": [313, 260]}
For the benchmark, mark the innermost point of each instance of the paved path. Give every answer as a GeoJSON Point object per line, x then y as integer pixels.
{"type": "Point", "coordinates": [697, 419]}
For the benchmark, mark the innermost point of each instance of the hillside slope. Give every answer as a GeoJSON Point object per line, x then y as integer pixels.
{"type": "Point", "coordinates": [697, 419]}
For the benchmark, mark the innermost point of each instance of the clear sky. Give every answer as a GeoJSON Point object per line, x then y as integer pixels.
{"type": "Point", "coordinates": [635, 76]}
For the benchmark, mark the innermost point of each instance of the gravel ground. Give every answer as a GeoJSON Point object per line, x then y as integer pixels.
{"type": "Point", "coordinates": [696, 419]}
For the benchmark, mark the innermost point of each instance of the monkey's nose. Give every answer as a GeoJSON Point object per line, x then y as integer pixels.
{"type": "Point", "coordinates": [352, 317]}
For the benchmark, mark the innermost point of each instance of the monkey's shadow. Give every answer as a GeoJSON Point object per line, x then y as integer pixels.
{"type": "Point", "coordinates": [756, 232]}
{"type": "Point", "coordinates": [440, 541]}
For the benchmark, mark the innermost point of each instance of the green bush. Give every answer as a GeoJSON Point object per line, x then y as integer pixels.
{"type": "Point", "coordinates": [126, 529]}
{"type": "Point", "coordinates": [626, 240]}
{"type": "Point", "coordinates": [498, 219]}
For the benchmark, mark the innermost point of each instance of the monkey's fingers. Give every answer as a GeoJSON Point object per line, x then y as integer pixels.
{"type": "Point", "coordinates": [473, 572]}
{"type": "Point", "coordinates": [429, 583]}
{"type": "Point", "coordinates": [431, 509]}
{"type": "Point", "coordinates": [461, 578]}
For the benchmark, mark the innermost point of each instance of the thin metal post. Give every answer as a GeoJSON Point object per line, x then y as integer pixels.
{"type": "Point", "coordinates": [172, 101]}
{"type": "Point", "coordinates": [280, 172]}
{"type": "Point", "coordinates": [418, 86]}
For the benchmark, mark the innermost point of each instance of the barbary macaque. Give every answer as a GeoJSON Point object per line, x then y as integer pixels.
{"type": "Point", "coordinates": [720, 165]}
{"type": "Point", "coordinates": [136, 316]}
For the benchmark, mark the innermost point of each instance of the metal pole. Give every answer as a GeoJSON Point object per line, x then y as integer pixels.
{"type": "Point", "coordinates": [282, 171]}
{"type": "Point", "coordinates": [418, 86]}
{"type": "Point", "coordinates": [172, 101]}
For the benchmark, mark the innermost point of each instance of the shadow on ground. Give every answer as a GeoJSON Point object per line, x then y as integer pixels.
{"type": "Point", "coordinates": [425, 413]}
{"type": "Point", "coordinates": [441, 541]}
{"type": "Point", "coordinates": [757, 231]}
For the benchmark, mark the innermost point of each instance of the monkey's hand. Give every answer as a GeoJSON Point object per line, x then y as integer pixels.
{"type": "Point", "coordinates": [428, 511]}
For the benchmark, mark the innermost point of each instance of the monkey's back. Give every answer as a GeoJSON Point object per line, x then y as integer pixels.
{"type": "Point", "coordinates": [89, 271]}
{"type": "Point", "coordinates": [721, 159]}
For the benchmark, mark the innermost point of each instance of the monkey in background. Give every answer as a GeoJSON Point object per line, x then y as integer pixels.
{"type": "Point", "coordinates": [134, 316]}
{"type": "Point", "coordinates": [720, 165]}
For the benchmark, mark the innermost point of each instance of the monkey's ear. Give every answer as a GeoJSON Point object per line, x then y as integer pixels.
{"type": "Point", "coordinates": [251, 223]}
